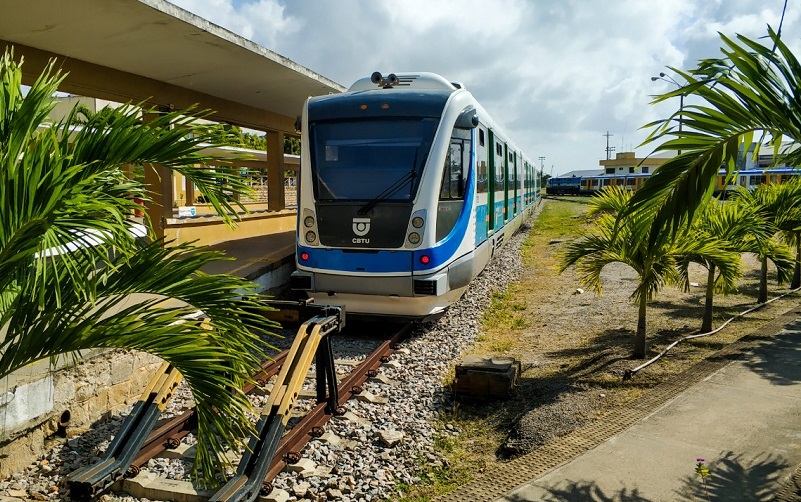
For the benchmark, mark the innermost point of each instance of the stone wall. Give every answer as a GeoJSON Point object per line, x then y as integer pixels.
{"type": "Point", "coordinates": [65, 398]}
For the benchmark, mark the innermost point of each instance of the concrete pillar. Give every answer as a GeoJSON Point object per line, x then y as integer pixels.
{"type": "Point", "coordinates": [158, 182]}
{"type": "Point", "coordinates": [275, 171]}
{"type": "Point", "coordinates": [189, 188]}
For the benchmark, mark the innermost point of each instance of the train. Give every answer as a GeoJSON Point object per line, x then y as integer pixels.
{"type": "Point", "coordinates": [407, 190]}
{"type": "Point", "coordinates": [588, 185]}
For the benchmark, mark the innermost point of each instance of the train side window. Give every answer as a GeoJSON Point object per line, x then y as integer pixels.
{"type": "Point", "coordinates": [454, 177]}
{"type": "Point", "coordinates": [500, 170]}
{"type": "Point", "coordinates": [482, 163]}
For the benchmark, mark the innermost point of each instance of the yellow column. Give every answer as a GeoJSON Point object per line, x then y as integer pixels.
{"type": "Point", "coordinates": [158, 181]}
{"type": "Point", "coordinates": [275, 171]}
{"type": "Point", "coordinates": [189, 188]}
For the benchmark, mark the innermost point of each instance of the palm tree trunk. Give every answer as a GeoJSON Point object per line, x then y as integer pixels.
{"type": "Point", "coordinates": [763, 282]}
{"type": "Point", "coordinates": [797, 271]}
{"type": "Point", "coordinates": [640, 347]}
{"type": "Point", "coordinates": [706, 325]}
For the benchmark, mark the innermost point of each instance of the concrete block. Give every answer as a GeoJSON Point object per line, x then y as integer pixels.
{"type": "Point", "coordinates": [277, 495]}
{"type": "Point", "coordinates": [183, 451]}
{"type": "Point", "coordinates": [383, 379]}
{"type": "Point", "coordinates": [304, 466]}
{"type": "Point", "coordinates": [119, 395]}
{"type": "Point", "coordinates": [148, 485]}
{"type": "Point", "coordinates": [18, 454]}
{"type": "Point", "coordinates": [26, 402]}
{"type": "Point", "coordinates": [121, 370]}
{"type": "Point", "coordinates": [369, 397]}
{"type": "Point", "coordinates": [63, 391]}
{"type": "Point", "coordinates": [485, 378]}
{"type": "Point", "coordinates": [351, 417]}
{"type": "Point", "coordinates": [331, 438]}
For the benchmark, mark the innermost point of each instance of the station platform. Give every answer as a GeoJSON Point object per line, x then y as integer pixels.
{"type": "Point", "coordinates": [268, 260]}
{"type": "Point", "coordinates": [737, 413]}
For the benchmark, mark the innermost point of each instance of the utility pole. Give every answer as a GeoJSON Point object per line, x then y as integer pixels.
{"type": "Point", "coordinates": [609, 149]}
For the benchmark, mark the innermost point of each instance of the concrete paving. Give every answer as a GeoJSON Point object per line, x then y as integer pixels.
{"type": "Point", "coordinates": [744, 420]}
{"type": "Point", "coordinates": [254, 256]}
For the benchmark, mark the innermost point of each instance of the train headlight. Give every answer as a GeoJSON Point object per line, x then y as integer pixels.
{"type": "Point", "coordinates": [414, 238]}
{"type": "Point", "coordinates": [417, 222]}
{"type": "Point", "coordinates": [311, 237]}
{"type": "Point", "coordinates": [308, 221]}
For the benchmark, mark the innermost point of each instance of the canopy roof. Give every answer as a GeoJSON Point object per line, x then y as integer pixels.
{"type": "Point", "coordinates": [151, 50]}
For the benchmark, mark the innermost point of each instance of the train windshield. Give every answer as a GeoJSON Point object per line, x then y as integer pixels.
{"type": "Point", "coordinates": [370, 160]}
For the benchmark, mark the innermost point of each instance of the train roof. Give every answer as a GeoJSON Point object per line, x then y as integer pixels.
{"type": "Point", "coordinates": [405, 80]}
{"type": "Point", "coordinates": [422, 94]}
{"type": "Point", "coordinates": [374, 103]}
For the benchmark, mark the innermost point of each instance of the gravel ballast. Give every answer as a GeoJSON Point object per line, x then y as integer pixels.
{"type": "Point", "coordinates": [380, 443]}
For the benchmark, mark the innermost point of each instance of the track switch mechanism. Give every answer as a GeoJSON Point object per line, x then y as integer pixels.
{"type": "Point", "coordinates": [92, 480]}
{"type": "Point", "coordinates": [312, 342]}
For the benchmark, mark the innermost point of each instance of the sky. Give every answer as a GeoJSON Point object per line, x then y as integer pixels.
{"type": "Point", "coordinates": [556, 75]}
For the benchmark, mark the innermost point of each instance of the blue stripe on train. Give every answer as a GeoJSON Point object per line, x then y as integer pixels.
{"type": "Point", "coordinates": [356, 261]}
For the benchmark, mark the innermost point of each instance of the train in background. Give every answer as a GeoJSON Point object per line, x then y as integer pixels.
{"type": "Point", "coordinates": [408, 188]}
{"type": "Point", "coordinates": [588, 185]}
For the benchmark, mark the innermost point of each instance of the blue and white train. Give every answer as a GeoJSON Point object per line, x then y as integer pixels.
{"type": "Point", "coordinates": [408, 188]}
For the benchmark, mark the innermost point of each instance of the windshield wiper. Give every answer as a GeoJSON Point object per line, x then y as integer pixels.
{"type": "Point", "coordinates": [389, 191]}
{"type": "Point", "coordinates": [396, 186]}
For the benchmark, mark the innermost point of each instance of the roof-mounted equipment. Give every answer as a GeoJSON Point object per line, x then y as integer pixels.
{"type": "Point", "coordinates": [386, 83]}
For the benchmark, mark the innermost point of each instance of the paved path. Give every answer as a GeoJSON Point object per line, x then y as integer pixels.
{"type": "Point", "coordinates": [740, 411]}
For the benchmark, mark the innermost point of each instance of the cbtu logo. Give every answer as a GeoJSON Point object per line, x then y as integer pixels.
{"type": "Point", "coordinates": [360, 227]}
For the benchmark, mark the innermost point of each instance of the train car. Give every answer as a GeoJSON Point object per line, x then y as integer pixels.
{"type": "Point", "coordinates": [593, 184]}
{"type": "Point", "coordinates": [570, 185]}
{"type": "Point", "coordinates": [407, 189]}
{"type": "Point", "coordinates": [752, 178]}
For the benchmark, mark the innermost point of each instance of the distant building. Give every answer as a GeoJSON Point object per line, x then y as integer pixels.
{"type": "Point", "coordinates": [628, 163]}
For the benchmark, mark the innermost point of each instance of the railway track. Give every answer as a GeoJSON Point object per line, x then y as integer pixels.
{"type": "Point", "coordinates": [281, 441]}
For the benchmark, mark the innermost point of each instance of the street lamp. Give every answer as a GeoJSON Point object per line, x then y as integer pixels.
{"type": "Point", "coordinates": [670, 80]}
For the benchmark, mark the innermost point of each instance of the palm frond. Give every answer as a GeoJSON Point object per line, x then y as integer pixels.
{"type": "Point", "coordinates": [74, 275]}
{"type": "Point", "coordinates": [751, 91]}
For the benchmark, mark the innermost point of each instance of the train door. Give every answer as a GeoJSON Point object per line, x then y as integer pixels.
{"type": "Point", "coordinates": [508, 204]}
{"type": "Point", "coordinates": [491, 185]}
{"type": "Point", "coordinates": [483, 194]}
{"type": "Point", "coordinates": [499, 188]}
{"type": "Point", "coordinates": [513, 176]}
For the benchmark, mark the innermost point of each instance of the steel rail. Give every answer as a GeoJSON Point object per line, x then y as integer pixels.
{"type": "Point", "coordinates": [170, 434]}
{"type": "Point", "coordinates": [296, 438]}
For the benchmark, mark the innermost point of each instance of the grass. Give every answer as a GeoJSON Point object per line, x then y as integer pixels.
{"type": "Point", "coordinates": [570, 342]}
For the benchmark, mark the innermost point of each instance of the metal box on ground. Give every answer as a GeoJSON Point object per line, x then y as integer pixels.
{"type": "Point", "coordinates": [485, 378]}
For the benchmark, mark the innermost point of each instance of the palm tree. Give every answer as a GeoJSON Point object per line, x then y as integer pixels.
{"type": "Point", "coordinates": [749, 93]}
{"type": "Point", "coordinates": [73, 276]}
{"type": "Point", "coordinates": [624, 236]}
{"type": "Point", "coordinates": [787, 212]}
{"type": "Point", "coordinates": [736, 228]}
{"type": "Point", "coordinates": [766, 202]}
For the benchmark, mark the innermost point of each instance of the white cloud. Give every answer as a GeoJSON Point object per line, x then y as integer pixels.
{"type": "Point", "coordinates": [557, 75]}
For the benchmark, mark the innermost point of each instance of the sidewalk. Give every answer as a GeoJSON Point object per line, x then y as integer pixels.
{"type": "Point", "coordinates": [740, 411]}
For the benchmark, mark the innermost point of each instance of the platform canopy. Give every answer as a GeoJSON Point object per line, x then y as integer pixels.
{"type": "Point", "coordinates": [151, 50]}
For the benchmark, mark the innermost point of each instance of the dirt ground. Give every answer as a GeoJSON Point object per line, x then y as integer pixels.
{"type": "Point", "coordinates": [575, 346]}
